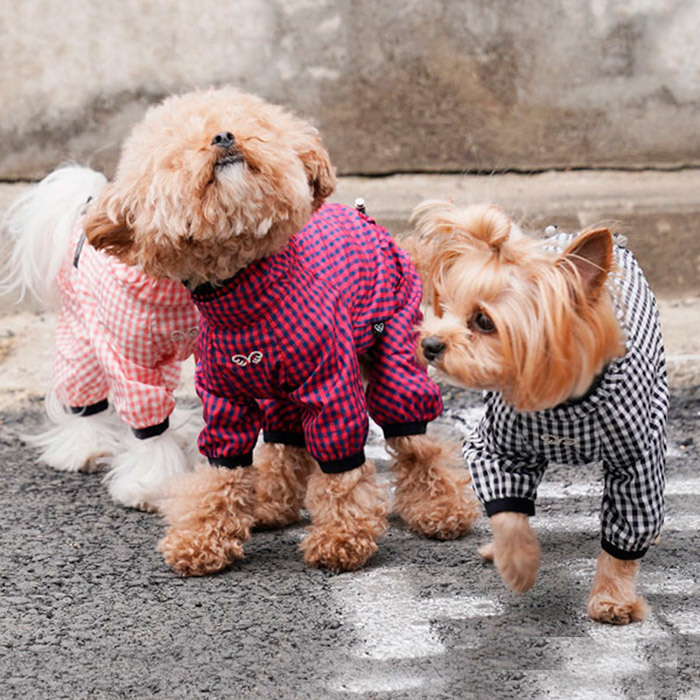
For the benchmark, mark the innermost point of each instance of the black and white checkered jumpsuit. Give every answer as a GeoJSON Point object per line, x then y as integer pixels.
{"type": "Point", "coordinates": [621, 422]}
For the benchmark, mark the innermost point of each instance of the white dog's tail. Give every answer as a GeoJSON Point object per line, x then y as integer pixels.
{"type": "Point", "coordinates": [41, 222]}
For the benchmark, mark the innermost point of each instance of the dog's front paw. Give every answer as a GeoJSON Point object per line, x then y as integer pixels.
{"type": "Point", "coordinates": [518, 569]}
{"type": "Point", "coordinates": [610, 607]}
{"type": "Point", "coordinates": [433, 494]}
{"type": "Point", "coordinates": [441, 520]}
{"type": "Point", "coordinates": [139, 475]}
{"type": "Point", "coordinates": [209, 512]}
{"type": "Point", "coordinates": [337, 550]}
{"type": "Point", "coordinates": [515, 550]}
{"type": "Point", "coordinates": [192, 554]}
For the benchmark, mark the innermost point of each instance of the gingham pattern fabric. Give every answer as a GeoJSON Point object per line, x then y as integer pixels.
{"type": "Point", "coordinates": [279, 345]}
{"type": "Point", "coordinates": [123, 332]}
{"type": "Point", "coordinates": [621, 423]}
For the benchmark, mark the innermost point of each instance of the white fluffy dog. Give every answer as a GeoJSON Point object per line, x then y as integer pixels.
{"type": "Point", "coordinates": [120, 333]}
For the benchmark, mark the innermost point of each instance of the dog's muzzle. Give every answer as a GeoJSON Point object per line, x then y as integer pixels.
{"type": "Point", "coordinates": [225, 141]}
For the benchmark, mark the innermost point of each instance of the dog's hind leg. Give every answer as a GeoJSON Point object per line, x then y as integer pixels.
{"type": "Point", "coordinates": [209, 514]}
{"type": "Point", "coordinates": [348, 514]}
{"type": "Point", "coordinates": [281, 475]}
{"type": "Point", "coordinates": [433, 493]}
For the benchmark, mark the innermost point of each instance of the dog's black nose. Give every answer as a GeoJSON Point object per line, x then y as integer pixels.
{"type": "Point", "coordinates": [432, 347]}
{"type": "Point", "coordinates": [224, 140]}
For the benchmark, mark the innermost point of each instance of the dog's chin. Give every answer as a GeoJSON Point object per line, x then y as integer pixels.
{"type": "Point", "coordinates": [460, 379]}
{"type": "Point", "coordinates": [230, 169]}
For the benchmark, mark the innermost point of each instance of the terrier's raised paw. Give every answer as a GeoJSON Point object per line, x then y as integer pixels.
{"type": "Point", "coordinates": [516, 551]}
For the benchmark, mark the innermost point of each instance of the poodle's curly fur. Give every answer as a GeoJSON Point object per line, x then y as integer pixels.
{"type": "Point", "coordinates": [348, 512]}
{"type": "Point", "coordinates": [194, 202]}
{"type": "Point", "coordinates": [283, 473]}
{"type": "Point", "coordinates": [431, 484]}
{"type": "Point", "coordinates": [179, 210]}
{"type": "Point", "coordinates": [210, 515]}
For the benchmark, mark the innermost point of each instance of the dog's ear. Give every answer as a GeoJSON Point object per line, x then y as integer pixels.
{"type": "Point", "coordinates": [318, 166]}
{"type": "Point", "coordinates": [437, 245]}
{"type": "Point", "coordinates": [591, 256]}
{"type": "Point", "coordinates": [107, 228]}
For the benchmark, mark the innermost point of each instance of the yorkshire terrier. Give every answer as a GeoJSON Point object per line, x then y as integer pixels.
{"type": "Point", "coordinates": [119, 332]}
{"type": "Point", "coordinates": [563, 335]}
{"type": "Point", "coordinates": [223, 192]}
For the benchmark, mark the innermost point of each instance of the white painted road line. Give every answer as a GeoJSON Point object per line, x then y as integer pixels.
{"type": "Point", "coordinates": [685, 621]}
{"type": "Point", "coordinates": [391, 621]}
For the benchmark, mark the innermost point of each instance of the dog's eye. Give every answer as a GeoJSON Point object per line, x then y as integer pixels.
{"type": "Point", "coordinates": [482, 323]}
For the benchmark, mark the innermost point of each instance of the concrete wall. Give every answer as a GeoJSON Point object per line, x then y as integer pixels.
{"type": "Point", "coordinates": [397, 85]}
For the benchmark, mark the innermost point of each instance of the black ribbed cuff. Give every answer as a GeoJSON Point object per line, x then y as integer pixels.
{"type": "Point", "coordinates": [283, 437]}
{"type": "Point", "coordinates": [614, 551]}
{"type": "Point", "coordinates": [510, 505]}
{"type": "Point", "coordinates": [417, 427]}
{"type": "Point", "coordinates": [90, 409]}
{"type": "Point", "coordinates": [337, 466]}
{"type": "Point", "coordinates": [151, 430]}
{"type": "Point", "coordinates": [244, 460]}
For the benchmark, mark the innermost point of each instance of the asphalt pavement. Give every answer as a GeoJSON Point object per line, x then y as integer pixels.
{"type": "Point", "coordinates": [88, 609]}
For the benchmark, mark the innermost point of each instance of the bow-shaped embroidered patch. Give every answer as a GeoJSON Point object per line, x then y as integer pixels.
{"type": "Point", "coordinates": [253, 359]}
{"type": "Point", "coordinates": [549, 439]}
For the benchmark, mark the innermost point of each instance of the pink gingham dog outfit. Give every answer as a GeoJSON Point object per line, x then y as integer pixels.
{"type": "Point", "coordinates": [123, 332]}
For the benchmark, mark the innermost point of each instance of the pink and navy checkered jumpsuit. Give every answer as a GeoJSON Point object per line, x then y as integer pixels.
{"type": "Point", "coordinates": [123, 332]}
{"type": "Point", "coordinates": [279, 344]}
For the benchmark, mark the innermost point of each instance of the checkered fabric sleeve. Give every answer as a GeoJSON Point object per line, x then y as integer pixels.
{"type": "Point", "coordinates": [79, 379]}
{"type": "Point", "coordinates": [141, 345]}
{"type": "Point", "coordinates": [632, 512]}
{"type": "Point", "coordinates": [633, 422]}
{"type": "Point", "coordinates": [505, 469]}
{"type": "Point", "coordinates": [122, 328]}
{"type": "Point", "coordinates": [232, 422]}
{"type": "Point", "coordinates": [401, 397]}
